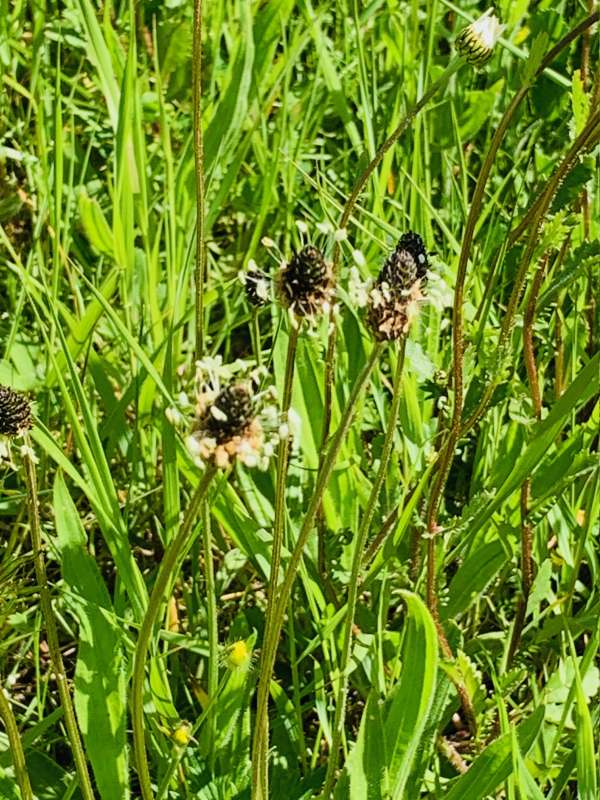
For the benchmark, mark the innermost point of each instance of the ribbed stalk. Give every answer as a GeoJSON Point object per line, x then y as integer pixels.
{"type": "Point", "coordinates": [259, 786]}
{"type": "Point", "coordinates": [200, 271]}
{"type": "Point", "coordinates": [357, 558]}
{"type": "Point", "coordinates": [15, 747]}
{"type": "Point", "coordinates": [278, 522]}
{"type": "Point", "coordinates": [85, 783]}
{"type": "Point", "coordinates": [164, 578]}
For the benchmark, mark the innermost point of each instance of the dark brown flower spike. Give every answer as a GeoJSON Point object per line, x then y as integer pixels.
{"type": "Point", "coordinates": [394, 299]}
{"type": "Point", "coordinates": [306, 283]}
{"type": "Point", "coordinates": [15, 412]}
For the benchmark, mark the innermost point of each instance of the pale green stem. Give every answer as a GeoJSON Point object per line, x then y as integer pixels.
{"type": "Point", "coordinates": [85, 783]}
{"type": "Point", "coordinates": [357, 557]}
{"type": "Point", "coordinates": [271, 640]}
{"type": "Point", "coordinates": [211, 622]}
{"type": "Point", "coordinates": [15, 747]}
{"type": "Point", "coordinates": [162, 585]}
{"type": "Point", "coordinates": [279, 516]}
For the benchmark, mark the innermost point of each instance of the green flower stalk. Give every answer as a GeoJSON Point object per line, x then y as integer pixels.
{"type": "Point", "coordinates": [15, 420]}
{"type": "Point", "coordinates": [276, 618]}
{"type": "Point", "coordinates": [171, 560]}
{"type": "Point", "coordinates": [15, 747]}
{"type": "Point", "coordinates": [231, 424]}
{"type": "Point", "coordinates": [393, 304]}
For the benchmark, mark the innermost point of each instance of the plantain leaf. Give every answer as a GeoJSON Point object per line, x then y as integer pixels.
{"type": "Point", "coordinates": [495, 763]}
{"type": "Point", "coordinates": [413, 696]}
{"type": "Point", "coordinates": [100, 684]}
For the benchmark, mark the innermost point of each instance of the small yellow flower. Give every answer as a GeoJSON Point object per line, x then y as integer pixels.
{"type": "Point", "coordinates": [182, 734]}
{"type": "Point", "coordinates": [238, 656]}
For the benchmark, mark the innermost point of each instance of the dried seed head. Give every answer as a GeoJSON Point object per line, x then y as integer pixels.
{"type": "Point", "coordinates": [399, 270]}
{"type": "Point", "coordinates": [15, 413]}
{"type": "Point", "coordinates": [394, 299]}
{"type": "Point", "coordinates": [229, 415]}
{"type": "Point", "coordinates": [476, 42]}
{"type": "Point", "coordinates": [391, 311]}
{"type": "Point", "coordinates": [306, 282]}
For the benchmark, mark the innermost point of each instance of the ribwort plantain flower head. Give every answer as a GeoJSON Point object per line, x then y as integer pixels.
{"type": "Point", "coordinates": [476, 42]}
{"type": "Point", "coordinates": [232, 420]}
{"type": "Point", "coordinates": [394, 299]}
{"type": "Point", "coordinates": [15, 413]}
{"type": "Point", "coordinates": [305, 283]}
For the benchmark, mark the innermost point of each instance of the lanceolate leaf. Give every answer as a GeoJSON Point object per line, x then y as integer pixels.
{"type": "Point", "coordinates": [100, 683]}
{"type": "Point", "coordinates": [412, 698]}
{"type": "Point", "coordinates": [585, 386]}
{"type": "Point", "coordinates": [495, 763]}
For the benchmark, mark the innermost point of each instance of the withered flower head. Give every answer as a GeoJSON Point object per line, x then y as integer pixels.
{"type": "Point", "coordinates": [395, 296]}
{"type": "Point", "coordinates": [306, 283]}
{"type": "Point", "coordinates": [15, 413]}
{"type": "Point", "coordinates": [257, 285]}
{"type": "Point", "coordinates": [232, 421]}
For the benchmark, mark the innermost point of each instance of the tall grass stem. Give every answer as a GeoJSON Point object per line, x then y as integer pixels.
{"type": "Point", "coordinates": [280, 511]}
{"type": "Point", "coordinates": [200, 271]}
{"type": "Point", "coordinates": [15, 747]}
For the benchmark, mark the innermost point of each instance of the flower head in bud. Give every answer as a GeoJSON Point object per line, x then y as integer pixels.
{"type": "Point", "coordinates": [476, 42]}
{"type": "Point", "coordinates": [15, 413]}
{"type": "Point", "coordinates": [237, 656]}
{"type": "Point", "coordinates": [256, 283]}
{"type": "Point", "coordinates": [232, 422]}
{"type": "Point", "coordinates": [306, 283]}
{"type": "Point", "coordinates": [394, 299]}
{"type": "Point", "coordinates": [182, 734]}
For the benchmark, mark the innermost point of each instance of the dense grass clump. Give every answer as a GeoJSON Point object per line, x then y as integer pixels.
{"type": "Point", "coordinates": [299, 400]}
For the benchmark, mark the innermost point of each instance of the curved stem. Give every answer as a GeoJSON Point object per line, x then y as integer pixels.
{"type": "Point", "coordinates": [357, 559]}
{"type": "Point", "coordinates": [586, 139]}
{"type": "Point", "coordinates": [200, 271]}
{"type": "Point", "coordinates": [536, 398]}
{"type": "Point", "coordinates": [406, 121]}
{"type": "Point", "coordinates": [276, 622]}
{"type": "Point", "coordinates": [165, 575]}
{"type": "Point", "coordinates": [278, 526]}
{"type": "Point", "coordinates": [457, 429]}
{"type": "Point", "coordinates": [15, 747]}
{"type": "Point", "coordinates": [85, 783]}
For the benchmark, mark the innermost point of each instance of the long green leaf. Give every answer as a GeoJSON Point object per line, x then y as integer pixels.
{"type": "Point", "coordinates": [412, 699]}
{"type": "Point", "coordinates": [494, 764]}
{"type": "Point", "coordinates": [100, 683]}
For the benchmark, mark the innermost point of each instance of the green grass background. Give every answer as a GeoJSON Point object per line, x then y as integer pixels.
{"type": "Point", "coordinates": [97, 243]}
